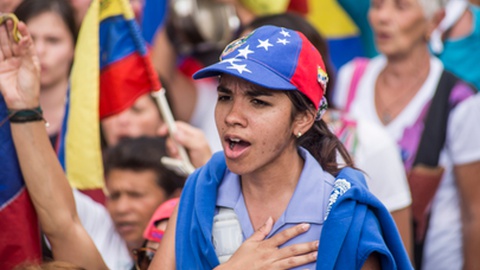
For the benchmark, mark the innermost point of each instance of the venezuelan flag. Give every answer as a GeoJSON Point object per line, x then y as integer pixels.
{"type": "Point", "coordinates": [153, 17]}
{"type": "Point", "coordinates": [126, 69]}
{"type": "Point", "coordinates": [342, 34]}
{"type": "Point", "coordinates": [111, 70]}
{"type": "Point", "coordinates": [19, 231]}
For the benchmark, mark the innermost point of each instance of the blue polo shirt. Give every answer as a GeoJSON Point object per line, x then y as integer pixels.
{"type": "Point", "coordinates": [307, 205]}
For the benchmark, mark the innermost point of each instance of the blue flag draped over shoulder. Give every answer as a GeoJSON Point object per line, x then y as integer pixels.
{"type": "Point", "coordinates": [19, 230]}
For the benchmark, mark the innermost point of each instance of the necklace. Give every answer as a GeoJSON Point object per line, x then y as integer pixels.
{"type": "Point", "coordinates": [388, 110]}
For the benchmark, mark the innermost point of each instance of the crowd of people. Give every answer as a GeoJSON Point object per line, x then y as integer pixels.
{"type": "Point", "coordinates": [298, 165]}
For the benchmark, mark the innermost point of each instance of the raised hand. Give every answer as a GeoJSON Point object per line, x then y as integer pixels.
{"type": "Point", "coordinates": [258, 253]}
{"type": "Point", "coordinates": [19, 68]}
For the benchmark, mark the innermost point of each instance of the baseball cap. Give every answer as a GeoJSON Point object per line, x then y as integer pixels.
{"type": "Point", "coordinates": [273, 57]}
{"type": "Point", "coordinates": [164, 211]}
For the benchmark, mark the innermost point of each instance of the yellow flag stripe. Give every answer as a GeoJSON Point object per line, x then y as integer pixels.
{"type": "Point", "coordinates": [330, 19]}
{"type": "Point", "coordinates": [83, 154]}
{"type": "Point", "coordinates": [110, 8]}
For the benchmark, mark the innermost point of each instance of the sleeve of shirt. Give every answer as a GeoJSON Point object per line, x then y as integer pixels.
{"type": "Point", "coordinates": [379, 157]}
{"type": "Point", "coordinates": [97, 222]}
{"type": "Point", "coordinates": [463, 132]}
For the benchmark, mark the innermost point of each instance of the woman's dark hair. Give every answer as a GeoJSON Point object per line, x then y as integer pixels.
{"type": "Point", "coordinates": [319, 140]}
{"type": "Point", "coordinates": [31, 8]}
{"type": "Point", "coordinates": [298, 23]}
{"type": "Point", "coordinates": [141, 154]}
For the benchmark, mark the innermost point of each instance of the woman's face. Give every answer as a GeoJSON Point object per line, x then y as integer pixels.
{"type": "Point", "coordinates": [55, 47]}
{"type": "Point", "coordinates": [399, 25]}
{"type": "Point", "coordinates": [141, 119]}
{"type": "Point", "coordinates": [254, 125]}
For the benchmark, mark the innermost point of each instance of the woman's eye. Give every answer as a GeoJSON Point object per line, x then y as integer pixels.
{"type": "Point", "coordinates": [136, 109]}
{"type": "Point", "coordinates": [259, 102]}
{"type": "Point", "coordinates": [223, 98]}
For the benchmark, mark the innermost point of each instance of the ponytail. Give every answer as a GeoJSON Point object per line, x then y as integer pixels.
{"type": "Point", "coordinates": [319, 140]}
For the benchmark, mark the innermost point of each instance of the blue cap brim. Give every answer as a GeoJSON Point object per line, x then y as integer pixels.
{"type": "Point", "coordinates": [256, 73]}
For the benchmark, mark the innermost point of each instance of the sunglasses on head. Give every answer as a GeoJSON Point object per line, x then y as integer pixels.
{"type": "Point", "coordinates": [143, 257]}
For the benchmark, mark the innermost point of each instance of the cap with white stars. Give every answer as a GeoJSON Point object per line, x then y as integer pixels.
{"type": "Point", "coordinates": [276, 58]}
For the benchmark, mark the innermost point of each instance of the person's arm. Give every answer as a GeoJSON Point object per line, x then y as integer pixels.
{"type": "Point", "coordinates": [467, 178]}
{"type": "Point", "coordinates": [255, 253]}
{"type": "Point", "coordinates": [372, 263]}
{"type": "Point", "coordinates": [402, 219]}
{"type": "Point", "coordinates": [46, 183]}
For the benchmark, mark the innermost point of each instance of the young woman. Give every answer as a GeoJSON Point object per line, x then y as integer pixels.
{"type": "Point", "coordinates": [52, 26]}
{"type": "Point", "coordinates": [370, 146]}
{"type": "Point", "coordinates": [276, 176]}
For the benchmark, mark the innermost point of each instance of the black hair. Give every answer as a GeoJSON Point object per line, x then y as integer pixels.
{"type": "Point", "coordinates": [31, 8]}
{"type": "Point", "coordinates": [141, 154]}
{"type": "Point", "coordinates": [319, 140]}
{"type": "Point", "coordinates": [298, 23]}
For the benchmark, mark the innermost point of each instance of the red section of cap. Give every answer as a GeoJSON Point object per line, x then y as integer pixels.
{"type": "Point", "coordinates": [305, 77]}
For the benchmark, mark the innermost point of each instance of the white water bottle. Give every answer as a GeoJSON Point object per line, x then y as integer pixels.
{"type": "Point", "coordinates": [226, 233]}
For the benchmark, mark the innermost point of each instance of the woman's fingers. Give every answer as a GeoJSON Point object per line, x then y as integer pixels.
{"type": "Point", "coordinates": [296, 261]}
{"type": "Point", "coordinates": [298, 249]}
{"type": "Point", "coordinates": [5, 47]}
{"type": "Point", "coordinates": [282, 237]}
{"type": "Point", "coordinates": [26, 42]}
{"type": "Point", "coordinates": [261, 233]}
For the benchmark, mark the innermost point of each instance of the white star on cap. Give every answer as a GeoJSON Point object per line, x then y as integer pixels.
{"type": "Point", "coordinates": [264, 44]}
{"type": "Point", "coordinates": [244, 52]}
{"type": "Point", "coordinates": [231, 61]}
{"type": "Point", "coordinates": [239, 68]}
{"type": "Point", "coordinates": [284, 33]}
{"type": "Point", "coordinates": [284, 41]}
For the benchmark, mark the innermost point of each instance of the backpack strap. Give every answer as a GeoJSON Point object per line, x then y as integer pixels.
{"type": "Point", "coordinates": [359, 65]}
{"type": "Point", "coordinates": [422, 187]}
{"type": "Point", "coordinates": [435, 130]}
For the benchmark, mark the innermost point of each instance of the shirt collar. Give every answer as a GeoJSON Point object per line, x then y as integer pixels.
{"type": "Point", "coordinates": [304, 206]}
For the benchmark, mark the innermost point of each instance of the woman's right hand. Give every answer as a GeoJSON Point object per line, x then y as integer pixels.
{"type": "Point", "coordinates": [258, 253]}
{"type": "Point", "coordinates": [19, 68]}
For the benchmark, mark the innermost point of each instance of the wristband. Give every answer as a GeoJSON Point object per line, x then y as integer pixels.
{"type": "Point", "coordinates": [26, 115]}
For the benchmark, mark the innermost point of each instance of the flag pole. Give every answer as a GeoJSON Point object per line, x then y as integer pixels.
{"type": "Point", "coordinates": [183, 166]}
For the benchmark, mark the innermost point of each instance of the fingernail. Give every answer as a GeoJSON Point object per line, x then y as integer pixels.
{"type": "Point", "coordinates": [305, 226]}
{"type": "Point", "coordinates": [316, 244]}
